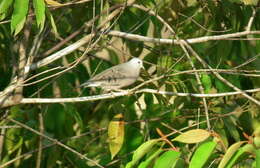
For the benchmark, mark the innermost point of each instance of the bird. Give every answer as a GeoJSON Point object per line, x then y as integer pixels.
{"type": "Point", "coordinates": [116, 77]}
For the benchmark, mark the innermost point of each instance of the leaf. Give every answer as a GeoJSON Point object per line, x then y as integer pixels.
{"type": "Point", "coordinates": [206, 82]}
{"type": "Point", "coordinates": [11, 145]}
{"type": "Point", "coordinates": [232, 161]}
{"type": "Point", "coordinates": [167, 159]}
{"type": "Point", "coordinates": [142, 150]}
{"type": "Point", "coordinates": [164, 63]}
{"type": "Point", "coordinates": [116, 134]}
{"type": "Point", "coordinates": [257, 141]}
{"type": "Point", "coordinates": [39, 8]}
{"type": "Point", "coordinates": [4, 6]}
{"type": "Point", "coordinates": [19, 15]}
{"type": "Point", "coordinates": [53, 3]}
{"type": "Point", "coordinates": [202, 154]}
{"type": "Point", "coordinates": [250, 2]}
{"type": "Point", "coordinates": [53, 25]}
{"type": "Point", "coordinates": [193, 136]}
{"type": "Point", "coordinates": [52, 156]}
{"type": "Point", "coordinates": [148, 161]}
{"type": "Point", "coordinates": [257, 158]}
{"type": "Point", "coordinates": [232, 128]}
{"type": "Point", "coordinates": [18, 162]}
{"type": "Point", "coordinates": [221, 86]}
{"type": "Point", "coordinates": [239, 152]}
{"type": "Point", "coordinates": [229, 153]}
{"type": "Point", "coordinates": [129, 165]}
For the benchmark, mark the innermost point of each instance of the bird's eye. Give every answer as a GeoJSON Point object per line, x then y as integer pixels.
{"type": "Point", "coordinates": [139, 62]}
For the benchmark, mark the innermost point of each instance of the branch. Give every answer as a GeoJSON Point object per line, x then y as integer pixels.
{"type": "Point", "coordinates": [60, 53]}
{"type": "Point", "coordinates": [55, 141]}
{"type": "Point", "coordinates": [250, 22]}
{"type": "Point", "coordinates": [6, 100]}
{"type": "Point", "coordinates": [220, 77]}
{"type": "Point", "coordinates": [28, 154]}
{"type": "Point", "coordinates": [136, 37]}
{"type": "Point", "coordinates": [201, 88]}
{"type": "Point", "coordinates": [128, 93]}
{"type": "Point", "coordinates": [39, 154]}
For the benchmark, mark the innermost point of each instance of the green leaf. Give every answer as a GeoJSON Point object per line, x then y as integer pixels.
{"type": "Point", "coordinates": [221, 86]}
{"type": "Point", "coordinates": [206, 82]}
{"type": "Point", "coordinates": [116, 134]}
{"type": "Point", "coordinates": [148, 161]}
{"type": "Point", "coordinates": [167, 160]}
{"type": "Point", "coordinates": [39, 9]}
{"type": "Point", "coordinates": [19, 15]}
{"type": "Point", "coordinates": [202, 154]}
{"type": "Point", "coordinates": [164, 63]}
{"type": "Point", "coordinates": [240, 152]}
{"type": "Point", "coordinates": [257, 158]}
{"type": "Point", "coordinates": [232, 128]}
{"type": "Point", "coordinates": [193, 136]}
{"type": "Point", "coordinates": [53, 25]}
{"type": "Point", "coordinates": [129, 165]}
{"type": "Point", "coordinates": [229, 153]}
{"type": "Point", "coordinates": [13, 140]}
{"type": "Point", "coordinates": [52, 156]}
{"type": "Point", "coordinates": [18, 162]}
{"type": "Point", "coordinates": [4, 6]}
{"type": "Point", "coordinates": [142, 150]}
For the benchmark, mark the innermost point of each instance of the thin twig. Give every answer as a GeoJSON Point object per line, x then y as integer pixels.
{"type": "Point", "coordinates": [39, 155]}
{"type": "Point", "coordinates": [2, 138]}
{"type": "Point", "coordinates": [247, 62]}
{"type": "Point", "coordinates": [28, 154]}
{"type": "Point", "coordinates": [81, 156]}
{"type": "Point", "coordinates": [199, 25]}
{"type": "Point", "coordinates": [152, 13]}
{"type": "Point", "coordinates": [220, 77]}
{"type": "Point", "coordinates": [201, 89]}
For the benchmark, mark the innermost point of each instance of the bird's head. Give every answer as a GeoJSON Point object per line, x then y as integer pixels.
{"type": "Point", "coordinates": [137, 62]}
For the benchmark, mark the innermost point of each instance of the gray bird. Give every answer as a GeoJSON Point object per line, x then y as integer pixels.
{"type": "Point", "coordinates": [117, 77]}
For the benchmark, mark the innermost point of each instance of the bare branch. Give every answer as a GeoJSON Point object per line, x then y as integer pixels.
{"type": "Point", "coordinates": [250, 22]}
{"type": "Point", "coordinates": [39, 155]}
{"type": "Point", "coordinates": [136, 37]}
{"type": "Point", "coordinates": [130, 92]}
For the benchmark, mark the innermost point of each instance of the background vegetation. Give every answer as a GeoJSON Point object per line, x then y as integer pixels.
{"type": "Point", "coordinates": [196, 103]}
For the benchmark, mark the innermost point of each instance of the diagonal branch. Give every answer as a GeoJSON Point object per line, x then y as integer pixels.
{"type": "Point", "coordinates": [55, 141]}
{"type": "Point", "coordinates": [220, 77]}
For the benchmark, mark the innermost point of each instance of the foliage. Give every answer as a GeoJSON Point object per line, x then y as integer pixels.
{"type": "Point", "coordinates": [187, 116]}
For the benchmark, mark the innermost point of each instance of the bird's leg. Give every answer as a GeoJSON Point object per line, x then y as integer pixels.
{"type": "Point", "coordinates": [123, 90]}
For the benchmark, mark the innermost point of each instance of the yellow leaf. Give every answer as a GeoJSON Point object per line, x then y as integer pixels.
{"type": "Point", "coordinates": [250, 2]}
{"type": "Point", "coordinates": [193, 136]}
{"type": "Point", "coordinates": [53, 3]}
{"type": "Point", "coordinates": [116, 134]}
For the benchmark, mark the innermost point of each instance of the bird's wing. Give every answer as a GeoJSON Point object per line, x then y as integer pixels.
{"type": "Point", "coordinates": [111, 74]}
